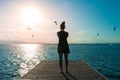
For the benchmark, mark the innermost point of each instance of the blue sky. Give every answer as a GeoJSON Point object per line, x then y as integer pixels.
{"type": "Point", "coordinates": [84, 19]}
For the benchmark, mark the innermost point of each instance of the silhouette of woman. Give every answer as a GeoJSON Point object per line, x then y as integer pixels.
{"type": "Point", "coordinates": [63, 47]}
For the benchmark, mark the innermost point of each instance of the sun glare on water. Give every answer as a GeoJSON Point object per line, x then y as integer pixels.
{"type": "Point", "coordinates": [31, 16]}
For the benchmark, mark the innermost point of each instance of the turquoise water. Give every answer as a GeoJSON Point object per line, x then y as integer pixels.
{"type": "Point", "coordinates": [17, 59]}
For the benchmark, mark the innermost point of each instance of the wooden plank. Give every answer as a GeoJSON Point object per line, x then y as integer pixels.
{"type": "Point", "coordinates": [49, 70]}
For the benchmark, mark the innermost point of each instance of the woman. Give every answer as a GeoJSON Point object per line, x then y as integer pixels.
{"type": "Point", "coordinates": [63, 47]}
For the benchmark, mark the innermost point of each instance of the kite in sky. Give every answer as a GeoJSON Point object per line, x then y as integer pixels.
{"type": "Point", "coordinates": [114, 29]}
{"type": "Point", "coordinates": [97, 34]}
{"type": "Point", "coordinates": [55, 22]}
{"type": "Point", "coordinates": [28, 28]}
{"type": "Point", "coordinates": [32, 35]}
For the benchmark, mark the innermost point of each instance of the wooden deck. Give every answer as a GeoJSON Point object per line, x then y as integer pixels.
{"type": "Point", "coordinates": [49, 70]}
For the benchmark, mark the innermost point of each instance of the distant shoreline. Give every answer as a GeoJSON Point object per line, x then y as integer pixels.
{"type": "Point", "coordinates": [69, 43]}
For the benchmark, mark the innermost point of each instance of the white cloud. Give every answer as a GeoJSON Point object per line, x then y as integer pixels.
{"type": "Point", "coordinates": [81, 32]}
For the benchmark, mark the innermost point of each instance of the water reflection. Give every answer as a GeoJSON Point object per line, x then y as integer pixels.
{"type": "Point", "coordinates": [17, 59]}
{"type": "Point", "coordinates": [29, 51]}
{"type": "Point", "coordinates": [31, 55]}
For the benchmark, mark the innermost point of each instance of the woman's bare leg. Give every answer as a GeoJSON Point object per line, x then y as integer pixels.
{"type": "Point", "coordinates": [66, 61]}
{"type": "Point", "coordinates": [60, 62]}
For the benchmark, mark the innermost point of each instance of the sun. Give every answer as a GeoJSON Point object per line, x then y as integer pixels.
{"type": "Point", "coordinates": [31, 16]}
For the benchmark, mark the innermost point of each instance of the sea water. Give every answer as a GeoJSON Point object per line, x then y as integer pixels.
{"type": "Point", "coordinates": [17, 59]}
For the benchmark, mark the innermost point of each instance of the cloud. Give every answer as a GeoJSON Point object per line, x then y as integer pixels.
{"type": "Point", "coordinates": [81, 32]}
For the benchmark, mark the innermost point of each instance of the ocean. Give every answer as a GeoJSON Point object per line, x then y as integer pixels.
{"type": "Point", "coordinates": [17, 59]}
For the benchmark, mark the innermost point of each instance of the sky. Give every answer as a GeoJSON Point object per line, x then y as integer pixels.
{"type": "Point", "coordinates": [33, 20]}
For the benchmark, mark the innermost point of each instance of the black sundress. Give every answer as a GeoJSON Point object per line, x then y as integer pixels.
{"type": "Point", "coordinates": [63, 44]}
